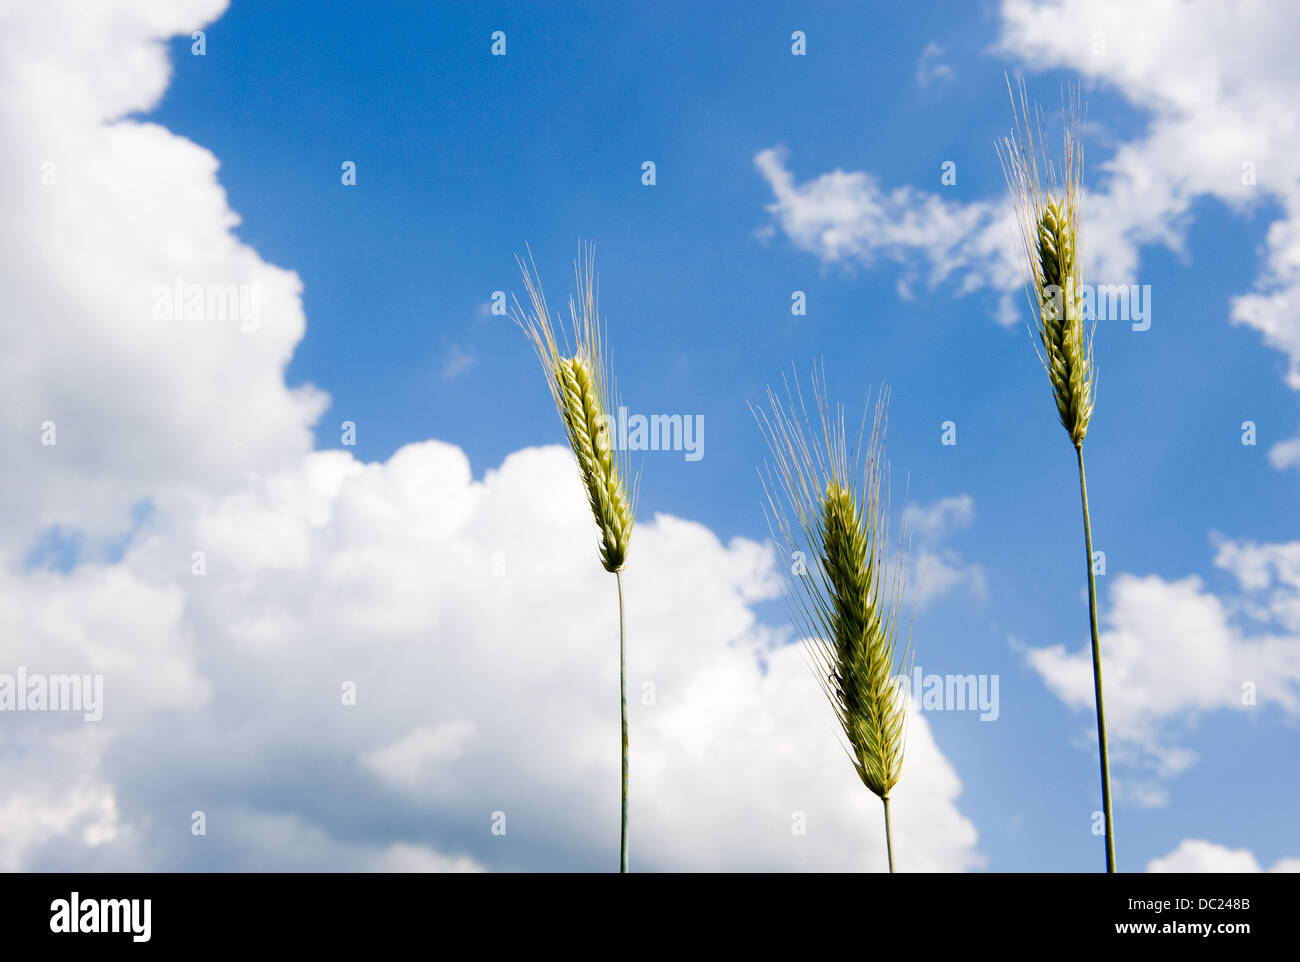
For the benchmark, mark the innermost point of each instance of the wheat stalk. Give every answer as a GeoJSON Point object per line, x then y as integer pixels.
{"type": "Point", "coordinates": [844, 589]}
{"type": "Point", "coordinates": [579, 383]}
{"type": "Point", "coordinates": [1049, 217]}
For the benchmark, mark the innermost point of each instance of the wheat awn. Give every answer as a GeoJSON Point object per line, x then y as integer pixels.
{"type": "Point", "coordinates": [579, 383]}
{"type": "Point", "coordinates": [844, 589]}
{"type": "Point", "coordinates": [1049, 217]}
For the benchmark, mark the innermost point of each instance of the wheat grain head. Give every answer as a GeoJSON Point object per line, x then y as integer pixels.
{"type": "Point", "coordinates": [579, 382]}
{"type": "Point", "coordinates": [1048, 209]}
{"type": "Point", "coordinates": [825, 507]}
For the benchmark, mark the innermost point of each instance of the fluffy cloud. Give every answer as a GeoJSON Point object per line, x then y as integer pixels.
{"type": "Point", "coordinates": [847, 216]}
{"type": "Point", "coordinates": [479, 635]}
{"type": "Point", "coordinates": [100, 214]}
{"type": "Point", "coordinates": [233, 621]}
{"type": "Point", "coordinates": [1269, 575]}
{"type": "Point", "coordinates": [1173, 650]}
{"type": "Point", "coordinates": [1197, 855]}
{"type": "Point", "coordinates": [1219, 85]}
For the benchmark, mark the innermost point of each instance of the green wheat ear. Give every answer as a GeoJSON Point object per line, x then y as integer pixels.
{"type": "Point", "coordinates": [584, 414]}
{"type": "Point", "coordinates": [1068, 356]}
{"type": "Point", "coordinates": [861, 664]}
{"type": "Point", "coordinates": [1048, 213]}
{"type": "Point", "coordinates": [845, 587]}
{"type": "Point", "coordinates": [578, 379]}
{"type": "Point", "coordinates": [1049, 218]}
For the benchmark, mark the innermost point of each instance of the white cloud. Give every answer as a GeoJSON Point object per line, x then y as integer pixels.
{"type": "Point", "coordinates": [78, 809]}
{"type": "Point", "coordinates": [469, 616]}
{"type": "Point", "coordinates": [1219, 84]}
{"type": "Point", "coordinates": [147, 407]}
{"type": "Point", "coordinates": [942, 571]}
{"type": "Point", "coordinates": [1198, 855]}
{"type": "Point", "coordinates": [420, 760]}
{"type": "Point", "coordinates": [930, 67]}
{"type": "Point", "coordinates": [1285, 454]}
{"type": "Point", "coordinates": [947, 514]}
{"type": "Point", "coordinates": [480, 635]}
{"type": "Point", "coordinates": [846, 216]}
{"type": "Point", "coordinates": [1269, 574]}
{"type": "Point", "coordinates": [938, 570]}
{"type": "Point", "coordinates": [415, 858]}
{"type": "Point", "coordinates": [1171, 652]}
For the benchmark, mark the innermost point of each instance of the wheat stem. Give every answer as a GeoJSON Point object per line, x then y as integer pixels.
{"type": "Point", "coordinates": [1048, 208]}
{"type": "Point", "coordinates": [578, 377]}
{"type": "Point", "coordinates": [1096, 671]}
{"type": "Point", "coordinates": [889, 839]}
{"type": "Point", "coordinates": [622, 693]}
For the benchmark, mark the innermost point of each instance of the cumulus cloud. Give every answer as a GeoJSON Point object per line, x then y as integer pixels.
{"type": "Point", "coordinates": [479, 636]}
{"type": "Point", "coordinates": [1198, 855]}
{"type": "Point", "coordinates": [418, 761]}
{"type": "Point", "coordinates": [1218, 84]}
{"type": "Point", "coordinates": [849, 217]}
{"type": "Point", "coordinates": [1269, 577]}
{"type": "Point", "coordinates": [325, 663]}
{"type": "Point", "coordinates": [1174, 651]}
{"type": "Point", "coordinates": [102, 213]}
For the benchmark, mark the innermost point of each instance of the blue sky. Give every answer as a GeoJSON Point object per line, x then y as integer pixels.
{"type": "Point", "coordinates": [462, 157]}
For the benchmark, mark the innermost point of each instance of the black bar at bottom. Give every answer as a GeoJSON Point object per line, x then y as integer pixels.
{"type": "Point", "coordinates": [667, 912]}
